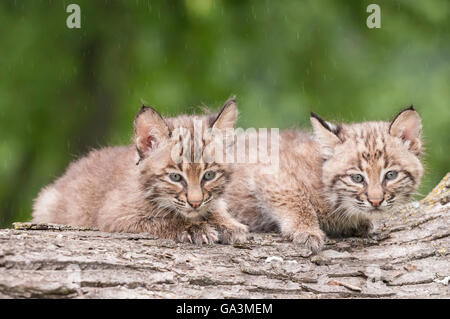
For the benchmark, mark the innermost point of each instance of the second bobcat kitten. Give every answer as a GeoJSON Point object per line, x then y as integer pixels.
{"type": "Point", "coordinates": [140, 188]}
{"type": "Point", "coordinates": [333, 179]}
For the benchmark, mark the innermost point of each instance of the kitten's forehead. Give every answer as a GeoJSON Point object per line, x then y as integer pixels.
{"type": "Point", "coordinates": [189, 138]}
{"type": "Point", "coordinates": [368, 131]}
{"type": "Point", "coordinates": [192, 169]}
{"type": "Point", "coordinates": [364, 142]}
{"type": "Point", "coordinates": [370, 144]}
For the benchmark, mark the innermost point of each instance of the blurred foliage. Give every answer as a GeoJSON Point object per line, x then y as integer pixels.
{"type": "Point", "coordinates": [64, 91]}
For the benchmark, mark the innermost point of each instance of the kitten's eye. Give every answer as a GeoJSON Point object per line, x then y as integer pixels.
{"type": "Point", "coordinates": [175, 177]}
{"type": "Point", "coordinates": [357, 178]}
{"type": "Point", "coordinates": [391, 175]}
{"type": "Point", "coordinates": [209, 175]}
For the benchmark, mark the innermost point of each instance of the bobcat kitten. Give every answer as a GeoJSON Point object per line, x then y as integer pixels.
{"type": "Point", "coordinates": [333, 179]}
{"type": "Point", "coordinates": [142, 188]}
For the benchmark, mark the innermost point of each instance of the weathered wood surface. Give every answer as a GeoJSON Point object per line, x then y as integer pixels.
{"type": "Point", "coordinates": [408, 257]}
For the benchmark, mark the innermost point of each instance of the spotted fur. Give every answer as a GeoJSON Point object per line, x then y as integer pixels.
{"type": "Point", "coordinates": [312, 190]}
{"type": "Point", "coordinates": [129, 189]}
{"type": "Point", "coordinates": [370, 149]}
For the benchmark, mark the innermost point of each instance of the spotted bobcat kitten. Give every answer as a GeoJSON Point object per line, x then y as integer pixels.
{"type": "Point", "coordinates": [368, 167]}
{"type": "Point", "coordinates": [334, 179]}
{"type": "Point", "coordinates": [146, 187]}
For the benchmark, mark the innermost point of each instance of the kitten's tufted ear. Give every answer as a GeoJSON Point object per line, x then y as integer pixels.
{"type": "Point", "coordinates": [326, 134]}
{"type": "Point", "coordinates": [150, 129]}
{"type": "Point", "coordinates": [408, 126]}
{"type": "Point", "coordinates": [227, 116]}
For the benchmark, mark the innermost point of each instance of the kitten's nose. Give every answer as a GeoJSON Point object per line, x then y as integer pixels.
{"type": "Point", "coordinates": [195, 203]}
{"type": "Point", "coordinates": [375, 202]}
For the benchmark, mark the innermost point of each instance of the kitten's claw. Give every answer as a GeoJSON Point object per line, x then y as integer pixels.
{"type": "Point", "coordinates": [214, 237]}
{"type": "Point", "coordinates": [199, 234]}
{"type": "Point", "coordinates": [185, 237]}
{"type": "Point", "coordinates": [314, 240]}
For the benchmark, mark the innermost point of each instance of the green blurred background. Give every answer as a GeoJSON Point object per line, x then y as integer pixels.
{"type": "Point", "coordinates": [64, 91]}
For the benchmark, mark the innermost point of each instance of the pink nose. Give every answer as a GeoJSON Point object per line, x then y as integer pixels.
{"type": "Point", "coordinates": [195, 203]}
{"type": "Point", "coordinates": [375, 202]}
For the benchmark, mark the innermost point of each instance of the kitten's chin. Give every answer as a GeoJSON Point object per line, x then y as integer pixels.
{"type": "Point", "coordinates": [377, 210]}
{"type": "Point", "coordinates": [193, 214]}
{"type": "Point", "coordinates": [374, 210]}
{"type": "Point", "coordinates": [365, 212]}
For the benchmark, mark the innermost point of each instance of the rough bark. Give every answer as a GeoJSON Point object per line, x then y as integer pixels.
{"type": "Point", "coordinates": [408, 256]}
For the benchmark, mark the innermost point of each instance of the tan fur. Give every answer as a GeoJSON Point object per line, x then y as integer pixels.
{"type": "Point", "coordinates": [286, 199]}
{"type": "Point", "coordinates": [313, 189]}
{"type": "Point", "coordinates": [108, 190]}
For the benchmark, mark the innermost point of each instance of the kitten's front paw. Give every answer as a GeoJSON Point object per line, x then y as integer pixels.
{"type": "Point", "coordinates": [233, 234]}
{"type": "Point", "coordinates": [199, 234]}
{"type": "Point", "coordinates": [311, 239]}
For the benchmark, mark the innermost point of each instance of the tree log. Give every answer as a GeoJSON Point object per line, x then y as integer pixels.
{"type": "Point", "coordinates": [406, 257]}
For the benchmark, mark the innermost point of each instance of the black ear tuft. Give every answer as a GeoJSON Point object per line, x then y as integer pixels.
{"type": "Point", "coordinates": [409, 108]}
{"type": "Point", "coordinates": [231, 100]}
{"type": "Point", "coordinates": [143, 109]}
{"type": "Point", "coordinates": [321, 121]}
{"type": "Point", "coordinates": [407, 125]}
{"type": "Point", "coordinates": [326, 134]}
{"type": "Point", "coordinates": [227, 116]}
